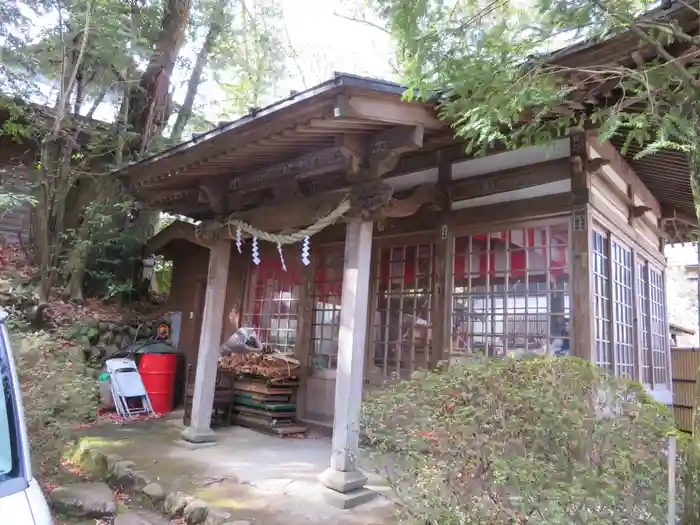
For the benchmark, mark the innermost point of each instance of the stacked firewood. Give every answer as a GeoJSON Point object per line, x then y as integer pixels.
{"type": "Point", "coordinates": [268, 365]}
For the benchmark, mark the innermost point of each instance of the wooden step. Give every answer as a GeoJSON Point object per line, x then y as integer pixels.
{"type": "Point", "coordinates": [266, 414]}
{"type": "Point", "coordinates": [264, 406]}
{"type": "Point", "coordinates": [264, 398]}
{"type": "Point", "coordinates": [263, 425]}
{"type": "Point", "coordinates": [261, 388]}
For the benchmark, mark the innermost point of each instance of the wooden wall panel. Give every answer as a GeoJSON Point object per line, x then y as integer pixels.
{"type": "Point", "coordinates": [616, 194]}
{"type": "Point", "coordinates": [615, 208]}
{"type": "Point", "coordinates": [684, 366]}
{"type": "Point", "coordinates": [188, 285]}
{"type": "Point", "coordinates": [320, 399]}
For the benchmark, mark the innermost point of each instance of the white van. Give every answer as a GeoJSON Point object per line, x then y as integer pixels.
{"type": "Point", "coordinates": [21, 499]}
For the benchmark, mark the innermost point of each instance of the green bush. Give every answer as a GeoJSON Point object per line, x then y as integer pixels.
{"type": "Point", "coordinates": [539, 441]}
{"type": "Point", "coordinates": [58, 393]}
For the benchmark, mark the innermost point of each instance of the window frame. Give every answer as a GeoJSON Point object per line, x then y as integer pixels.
{"type": "Point", "coordinates": [323, 255]}
{"type": "Point", "coordinates": [665, 335]}
{"type": "Point", "coordinates": [18, 433]}
{"type": "Point", "coordinates": [248, 309]}
{"type": "Point", "coordinates": [381, 327]}
{"type": "Point", "coordinates": [617, 324]}
{"type": "Point", "coordinates": [642, 263]}
{"type": "Point", "coordinates": [508, 297]}
{"type": "Point", "coordinates": [601, 294]}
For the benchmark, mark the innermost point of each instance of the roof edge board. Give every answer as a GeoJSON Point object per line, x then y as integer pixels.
{"type": "Point", "coordinates": [339, 80]}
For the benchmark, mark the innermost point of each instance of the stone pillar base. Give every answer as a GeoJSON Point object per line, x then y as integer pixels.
{"type": "Point", "coordinates": [198, 435]}
{"type": "Point", "coordinates": [345, 490]}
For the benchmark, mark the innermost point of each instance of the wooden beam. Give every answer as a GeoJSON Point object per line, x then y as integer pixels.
{"type": "Point", "coordinates": [167, 197]}
{"type": "Point", "coordinates": [303, 212]}
{"type": "Point", "coordinates": [672, 213]}
{"type": "Point", "coordinates": [386, 110]}
{"type": "Point", "coordinates": [336, 158]}
{"type": "Point", "coordinates": [530, 209]}
{"type": "Point", "coordinates": [509, 180]}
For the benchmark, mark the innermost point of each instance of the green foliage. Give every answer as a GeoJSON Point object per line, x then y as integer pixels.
{"type": "Point", "coordinates": [11, 200]}
{"type": "Point", "coordinates": [489, 62]}
{"type": "Point", "coordinates": [248, 59]}
{"type": "Point", "coordinates": [541, 440]}
{"type": "Point", "coordinates": [164, 274]}
{"type": "Point", "coordinates": [58, 393]}
{"type": "Point", "coordinates": [50, 80]}
{"type": "Point", "coordinates": [111, 243]}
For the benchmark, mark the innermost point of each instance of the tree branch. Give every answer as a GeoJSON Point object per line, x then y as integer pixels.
{"type": "Point", "coordinates": [295, 55]}
{"type": "Point", "coordinates": [660, 49]}
{"type": "Point", "coordinates": [362, 21]}
{"type": "Point", "coordinates": [64, 96]}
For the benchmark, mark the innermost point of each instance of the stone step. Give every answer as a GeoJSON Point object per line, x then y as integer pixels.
{"type": "Point", "coordinates": [86, 499]}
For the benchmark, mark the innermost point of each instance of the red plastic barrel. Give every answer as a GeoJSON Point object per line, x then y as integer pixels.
{"type": "Point", "coordinates": [158, 374]}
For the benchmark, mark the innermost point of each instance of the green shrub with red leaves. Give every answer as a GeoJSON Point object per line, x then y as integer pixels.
{"type": "Point", "coordinates": [543, 441]}
{"type": "Point", "coordinates": [58, 393]}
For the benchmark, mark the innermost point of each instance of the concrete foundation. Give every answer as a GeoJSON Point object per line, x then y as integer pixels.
{"type": "Point", "coordinates": [198, 435]}
{"type": "Point", "coordinates": [255, 477]}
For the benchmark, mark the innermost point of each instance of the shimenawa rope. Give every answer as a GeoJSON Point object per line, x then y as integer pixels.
{"type": "Point", "coordinates": [289, 238]}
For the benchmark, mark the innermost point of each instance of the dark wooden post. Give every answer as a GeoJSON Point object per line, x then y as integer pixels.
{"type": "Point", "coordinates": [582, 314]}
{"type": "Point", "coordinates": [444, 278]}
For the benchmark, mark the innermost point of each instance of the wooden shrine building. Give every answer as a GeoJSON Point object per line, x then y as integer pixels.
{"type": "Point", "coordinates": [434, 255]}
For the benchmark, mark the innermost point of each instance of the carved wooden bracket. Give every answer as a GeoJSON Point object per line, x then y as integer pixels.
{"type": "Point", "coordinates": [374, 201]}
{"type": "Point", "coordinates": [426, 195]}
{"type": "Point", "coordinates": [386, 147]}
{"type": "Point", "coordinates": [368, 199]}
{"type": "Point", "coordinates": [216, 194]}
{"type": "Point", "coordinates": [638, 211]}
{"type": "Point", "coordinates": [592, 165]}
{"type": "Point", "coordinates": [595, 164]}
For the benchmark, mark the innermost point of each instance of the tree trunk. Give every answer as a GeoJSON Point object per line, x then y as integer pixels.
{"type": "Point", "coordinates": [148, 102]}
{"type": "Point", "coordinates": [55, 172]}
{"type": "Point", "coordinates": [185, 112]}
{"type": "Point", "coordinates": [147, 108]}
{"type": "Point", "coordinates": [77, 261]}
{"type": "Point", "coordinates": [55, 179]}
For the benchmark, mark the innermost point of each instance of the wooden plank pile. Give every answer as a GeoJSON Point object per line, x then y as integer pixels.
{"type": "Point", "coordinates": [265, 391]}
{"type": "Point", "coordinates": [268, 406]}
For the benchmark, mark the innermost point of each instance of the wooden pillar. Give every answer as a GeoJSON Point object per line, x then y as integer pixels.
{"type": "Point", "coordinates": [582, 313]}
{"type": "Point", "coordinates": [344, 482]}
{"type": "Point", "coordinates": [200, 430]}
{"type": "Point", "coordinates": [444, 270]}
